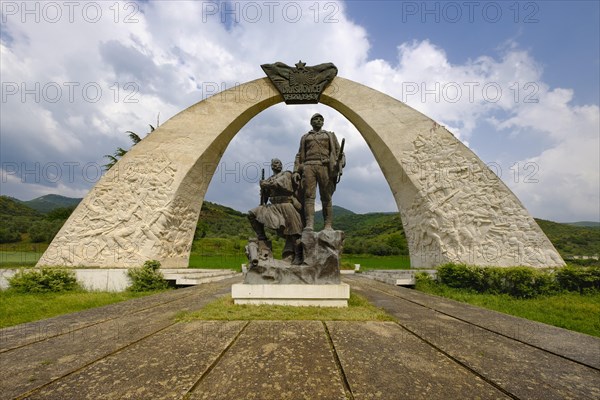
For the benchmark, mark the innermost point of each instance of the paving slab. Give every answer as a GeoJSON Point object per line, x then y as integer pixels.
{"type": "Point", "coordinates": [381, 360]}
{"type": "Point", "coordinates": [275, 360]}
{"type": "Point", "coordinates": [163, 366]}
{"type": "Point", "coordinates": [522, 370]}
{"type": "Point", "coordinates": [576, 346]}
{"type": "Point", "coordinates": [26, 368]}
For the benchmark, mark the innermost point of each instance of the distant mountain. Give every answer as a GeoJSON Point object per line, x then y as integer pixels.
{"type": "Point", "coordinates": [49, 202]}
{"type": "Point", "coordinates": [587, 224]}
{"type": "Point", "coordinates": [15, 207]}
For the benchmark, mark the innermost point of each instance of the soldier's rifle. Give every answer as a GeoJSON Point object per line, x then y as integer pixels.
{"type": "Point", "coordinates": [263, 196]}
{"type": "Point", "coordinates": [338, 163]}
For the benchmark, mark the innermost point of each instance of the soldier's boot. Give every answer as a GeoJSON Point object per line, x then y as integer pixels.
{"type": "Point", "coordinates": [298, 257]}
{"type": "Point", "coordinates": [288, 250]}
{"type": "Point", "coordinates": [328, 215]}
{"type": "Point", "coordinates": [309, 211]}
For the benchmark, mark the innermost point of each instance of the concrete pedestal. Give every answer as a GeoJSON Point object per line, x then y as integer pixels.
{"type": "Point", "coordinates": [292, 295]}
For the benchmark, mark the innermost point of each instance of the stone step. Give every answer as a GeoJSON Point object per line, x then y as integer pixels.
{"type": "Point", "coordinates": [198, 274]}
{"type": "Point", "coordinates": [166, 271]}
{"type": "Point", "coordinates": [199, 281]}
{"type": "Point", "coordinates": [396, 277]}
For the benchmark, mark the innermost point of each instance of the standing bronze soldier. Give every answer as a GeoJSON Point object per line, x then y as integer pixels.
{"type": "Point", "coordinates": [319, 161]}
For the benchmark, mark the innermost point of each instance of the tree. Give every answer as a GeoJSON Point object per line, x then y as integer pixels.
{"type": "Point", "coordinates": [120, 152]}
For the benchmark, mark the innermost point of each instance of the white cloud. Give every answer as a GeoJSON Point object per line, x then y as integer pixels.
{"type": "Point", "coordinates": [175, 53]}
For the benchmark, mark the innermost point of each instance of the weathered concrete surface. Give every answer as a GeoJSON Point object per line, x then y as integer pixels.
{"type": "Point", "coordinates": [578, 347]}
{"type": "Point", "coordinates": [382, 360]}
{"type": "Point", "coordinates": [164, 365]}
{"type": "Point", "coordinates": [438, 349]}
{"type": "Point", "coordinates": [39, 363]}
{"type": "Point", "coordinates": [515, 366]}
{"type": "Point", "coordinates": [276, 360]}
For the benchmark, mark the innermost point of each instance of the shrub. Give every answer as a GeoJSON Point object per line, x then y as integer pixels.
{"type": "Point", "coordinates": [44, 280]}
{"type": "Point", "coordinates": [460, 276]}
{"type": "Point", "coordinates": [146, 278]}
{"type": "Point", "coordinates": [9, 235]}
{"type": "Point", "coordinates": [578, 279]}
{"type": "Point", "coordinates": [380, 249]}
{"type": "Point", "coordinates": [523, 282]}
{"type": "Point", "coordinates": [526, 282]}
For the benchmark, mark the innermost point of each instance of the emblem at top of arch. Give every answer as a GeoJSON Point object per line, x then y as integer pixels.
{"type": "Point", "coordinates": [300, 84]}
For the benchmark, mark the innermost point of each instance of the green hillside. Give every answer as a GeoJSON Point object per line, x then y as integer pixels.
{"type": "Point", "coordinates": [21, 223]}
{"type": "Point", "coordinates": [49, 202]}
{"type": "Point", "coordinates": [10, 206]}
{"type": "Point", "coordinates": [223, 230]}
{"type": "Point", "coordinates": [572, 240]}
{"type": "Point", "coordinates": [220, 221]}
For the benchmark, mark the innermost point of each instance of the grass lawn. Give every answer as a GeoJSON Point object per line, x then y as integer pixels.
{"type": "Point", "coordinates": [18, 308]}
{"type": "Point", "coordinates": [218, 262]}
{"type": "Point", "coordinates": [571, 311]}
{"type": "Point", "coordinates": [359, 309]}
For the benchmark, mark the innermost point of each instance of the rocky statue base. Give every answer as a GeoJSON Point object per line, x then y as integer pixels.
{"type": "Point", "coordinates": [316, 282]}
{"type": "Point", "coordinates": [321, 264]}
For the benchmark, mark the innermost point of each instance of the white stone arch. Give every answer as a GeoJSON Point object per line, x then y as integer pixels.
{"type": "Point", "coordinates": [453, 208]}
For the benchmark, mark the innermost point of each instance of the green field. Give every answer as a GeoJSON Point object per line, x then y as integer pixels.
{"type": "Point", "coordinates": [18, 258]}
{"type": "Point", "coordinates": [218, 262]}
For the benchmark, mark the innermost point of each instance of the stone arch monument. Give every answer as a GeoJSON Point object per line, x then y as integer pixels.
{"type": "Point", "coordinates": [453, 208]}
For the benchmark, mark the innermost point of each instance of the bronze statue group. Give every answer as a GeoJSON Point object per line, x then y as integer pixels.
{"type": "Point", "coordinates": [288, 198]}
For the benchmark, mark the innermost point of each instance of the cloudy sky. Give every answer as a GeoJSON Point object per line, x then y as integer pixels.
{"type": "Point", "coordinates": [518, 82]}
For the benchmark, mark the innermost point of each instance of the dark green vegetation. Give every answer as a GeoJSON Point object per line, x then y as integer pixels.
{"type": "Point", "coordinates": [359, 309]}
{"type": "Point", "coordinates": [17, 308]}
{"type": "Point", "coordinates": [569, 310]}
{"type": "Point", "coordinates": [23, 224]}
{"type": "Point", "coordinates": [378, 234]}
{"type": "Point", "coordinates": [43, 281]}
{"type": "Point", "coordinates": [519, 282]}
{"type": "Point", "coordinates": [147, 278]}
{"type": "Point", "coordinates": [571, 240]}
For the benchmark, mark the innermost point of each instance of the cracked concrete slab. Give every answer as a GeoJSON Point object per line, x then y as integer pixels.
{"type": "Point", "coordinates": [275, 360]}
{"type": "Point", "coordinates": [381, 360]}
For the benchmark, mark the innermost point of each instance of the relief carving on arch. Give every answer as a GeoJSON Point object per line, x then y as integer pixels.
{"type": "Point", "coordinates": [463, 213]}
{"type": "Point", "coordinates": [130, 215]}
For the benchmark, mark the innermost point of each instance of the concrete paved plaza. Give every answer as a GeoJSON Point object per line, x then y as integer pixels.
{"type": "Point", "coordinates": [437, 349]}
